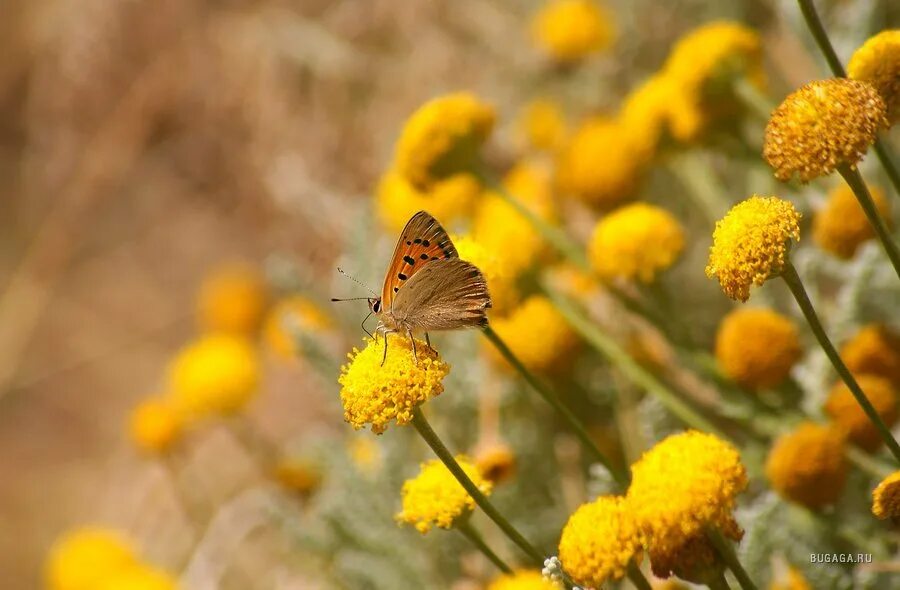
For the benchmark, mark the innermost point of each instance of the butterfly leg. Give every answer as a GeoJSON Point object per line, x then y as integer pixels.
{"type": "Point", "coordinates": [428, 341]}
{"type": "Point", "coordinates": [413, 341]}
{"type": "Point", "coordinates": [385, 331]}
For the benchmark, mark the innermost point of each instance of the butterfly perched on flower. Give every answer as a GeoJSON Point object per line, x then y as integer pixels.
{"type": "Point", "coordinates": [427, 287]}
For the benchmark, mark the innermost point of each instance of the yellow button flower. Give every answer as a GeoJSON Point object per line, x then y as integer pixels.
{"type": "Point", "coordinates": [607, 185]}
{"type": "Point", "coordinates": [841, 226]}
{"type": "Point", "coordinates": [447, 199]}
{"type": "Point", "coordinates": [696, 560]}
{"type": "Point", "coordinates": [215, 374]}
{"type": "Point", "coordinates": [683, 484]}
{"type": "Point", "coordinates": [155, 425]}
{"type": "Point", "coordinates": [290, 316]}
{"type": "Point", "coordinates": [821, 126]}
{"type": "Point", "coordinates": [523, 580]}
{"type": "Point", "coordinates": [496, 461]}
{"type": "Point", "coordinates": [569, 30]}
{"type": "Point", "coordinates": [751, 244]}
{"type": "Point", "coordinates": [646, 113]}
{"type": "Point", "coordinates": [443, 138]}
{"type": "Point", "coordinates": [142, 577]}
{"type": "Point", "coordinates": [846, 412]}
{"type": "Point", "coordinates": [886, 497]}
{"type": "Point", "coordinates": [807, 466]}
{"type": "Point", "coordinates": [792, 580]}
{"type": "Point", "coordinates": [875, 350]}
{"type": "Point", "coordinates": [878, 63]}
{"type": "Point", "coordinates": [599, 540]}
{"type": "Point", "coordinates": [538, 335]}
{"type": "Point", "coordinates": [757, 347]}
{"type": "Point", "coordinates": [501, 282]}
{"type": "Point", "coordinates": [377, 394]}
{"type": "Point", "coordinates": [542, 125]}
{"type": "Point", "coordinates": [232, 299]}
{"type": "Point", "coordinates": [81, 559]}
{"type": "Point", "coordinates": [636, 243]}
{"type": "Point", "coordinates": [435, 498]}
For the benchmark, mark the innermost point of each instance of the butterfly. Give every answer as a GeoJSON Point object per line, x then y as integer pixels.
{"type": "Point", "coordinates": [427, 287]}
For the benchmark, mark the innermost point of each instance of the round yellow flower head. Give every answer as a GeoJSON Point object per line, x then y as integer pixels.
{"type": "Point", "coordinates": [523, 580]}
{"type": "Point", "coordinates": [215, 374]}
{"type": "Point", "coordinates": [683, 484]}
{"type": "Point", "coordinates": [825, 124]}
{"type": "Point", "coordinates": [448, 199]}
{"type": "Point", "coordinates": [886, 497]}
{"type": "Point", "coordinates": [496, 461]}
{"type": "Point", "coordinates": [807, 466]}
{"type": "Point", "coordinates": [878, 63]}
{"type": "Point", "coordinates": [442, 138]}
{"type": "Point", "coordinates": [701, 70]}
{"type": "Point", "coordinates": [696, 560]}
{"type": "Point", "coordinates": [538, 335]}
{"type": "Point", "coordinates": [841, 226]}
{"type": "Point", "coordinates": [646, 112]}
{"type": "Point", "coordinates": [289, 316]}
{"type": "Point", "coordinates": [542, 125]}
{"type": "Point", "coordinates": [497, 226]}
{"type": "Point", "coordinates": [607, 185]}
{"type": "Point", "coordinates": [377, 394]}
{"type": "Point", "coordinates": [569, 30]}
{"type": "Point", "coordinates": [874, 350]}
{"type": "Point", "coordinates": [81, 559]}
{"type": "Point", "coordinates": [298, 474]}
{"type": "Point", "coordinates": [757, 347]}
{"type": "Point", "coordinates": [636, 243]}
{"type": "Point", "coordinates": [435, 498]}
{"type": "Point", "coordinates": [501, 283]}
{"type": "Point", "coordinates": [232, 299]}
{"type": "Point", "coordinates": [751, 244]}
{"type": "Point", "coordinates": [155, 425]}
{"type": "Point", "coordinates": [846, 413]}
{"type": "Point", "coordinates": [599, 540]}
{"type": "Point", "coordinates": [792, 580]}
{"type": "Point", "coordinates": [142, 577]}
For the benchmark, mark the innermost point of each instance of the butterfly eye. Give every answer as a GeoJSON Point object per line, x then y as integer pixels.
{"type": "Point", "coordinates": [376, 305]}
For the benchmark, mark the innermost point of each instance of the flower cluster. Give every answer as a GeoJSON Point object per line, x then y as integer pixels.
{"type": "Point", "coordinates": [434, 498]}
{"type": "Point", "coordinates": [757, 347]}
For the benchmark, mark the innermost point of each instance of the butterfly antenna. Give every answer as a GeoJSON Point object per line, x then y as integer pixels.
{"type": "Point", "coordinates": [358, 282]}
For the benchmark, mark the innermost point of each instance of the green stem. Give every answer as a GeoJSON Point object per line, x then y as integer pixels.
{"type": "Point", "coordinates": [790, 276]}
{"type": "Point", "coordinates": [472, 535]}
{"type": "Point", "coordinates": [854, 179]}
{"type": "Point", "coordinates": [752, 98]}
{"type": "Point", "coordinates": [726, 552]}
{"type": "Point", "coordinates": [821, 37]}
{"type": "Point", "coordinates": [629, 367]}
{"type": "Point", "coordinates": [865, 462]}
{"type": "Point", "coordinates": [719, 583]}
{"type": "Point", "coordinates": [430, 436]}
{"type": "Point", "coordinates": [637, 577]}
{"type": "Point", "coordinates": [571, 420]}
{"type": "Point", "coordinates": [701, 186]}
{"type": "Point", "coordinates": [887, 162]}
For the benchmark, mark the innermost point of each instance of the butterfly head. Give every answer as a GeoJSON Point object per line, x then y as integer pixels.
{"type": "Point", "coordinates": [375, 305]}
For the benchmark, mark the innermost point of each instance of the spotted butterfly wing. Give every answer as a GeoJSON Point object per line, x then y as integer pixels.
{"type": "Point", "coordinates": [421, 242]}
{"type": "Point", "coordinates": [446, 294]}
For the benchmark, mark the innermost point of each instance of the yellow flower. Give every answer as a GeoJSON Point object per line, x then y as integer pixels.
{"type": "Point", "coordinates": [288, 317]}
{"type": "Point", "coordinates": [376, 394]}
{"type": "Point", "coordinates": [701, 70]}
{"type": "Point", "coordinates": [635, 243]}
{"type": "Point", "coordinates": [751, 244]}
{"type": "Point", "coordinates": [448, 199]}
{"type": "Point", "coordinates": [685, 483]}
{"type": "Point", "coordinates": [501, 230]}
{"type": "Point", "coordinates": [155, 425]}
{"type": "Point", "coordinates": [569, 30]}
{"type": "Point", "coordinates": [142, 577]}
{"type": "Point", "coordinates": [599, 540]}
{"type": "Point", "coordinates": [442, 138]}
{"type": "Point", "coordinates": [538, 335]}
{"type": "Point", "coordinates": [298, 474]}
{"type": "Point", "coordinates": [232, 299]}
{"type": "Point", "coordinates": [580, 172]}
{"type": "Point", "coordinates": [841, 226]}
{"type": "Point", "coordinates": [847, 414]}
{"type": "Point", "coordinates": [542, 125]}
{"type": "Point", "coordinates": [435, 498]}
{"type": "Point", "coordinates": [81, 559]}
{"type": "Point", "coordinates": [496, 461]}
{"type": "Point", "coordinates": [696, 560]}
{"type": "Point", "coordinates": [886, 497]}
{"type": "Point", "coordinates": [875, 350]}
{"type": "Point", "coordinates": [757, 347]}
{"type": "Point", "coordinates": [793, 580]}
{"type": "Point", "coordinates": [825, 124]}
{"type": "Point", "coordinates": [878, 63]}
{"type": "Point", "coordinates": [215, 374]}
{"type": "Point", "coordinates": [646, 112]}
{"type": "Point", "coordinates": [523, 580]}
{"type": "Point", "coordinates": [807, 466]}
{"type": "Point", "coordinates": [501, 283]}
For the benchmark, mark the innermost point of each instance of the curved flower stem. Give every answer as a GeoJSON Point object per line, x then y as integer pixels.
{"type": "Point", "coordinates": [430, 436]}
{"type": "Point", "coordinates": [726, 552]}
{"type": "Point", "coordinates": [629, 367]}
{"type": "Point", "coordinates": [637, 577]}
{"type": "Point", "coordinates": [565, 413]}
{"type": "Point", "coordinates": [472, 535]}
{"type": "Point", "coordinates": [790, 276]}
{"type": "Point", "coordinates": [760, 105]}
{"type": "Point", "coordinates": [856, 183]}
{"type": "Point", "coordinates": [719, 583]}
{"type": "Point", "coordinates": [887, 162]}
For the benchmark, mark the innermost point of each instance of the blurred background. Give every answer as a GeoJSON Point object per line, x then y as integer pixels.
{"type": "Point", "coordinates": [145, 145]}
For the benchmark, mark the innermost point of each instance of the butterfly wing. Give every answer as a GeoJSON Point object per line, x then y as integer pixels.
{"type": "Point", "coordinates": [446, 294]}
{"type": "Point", "coordinates": [421, 242]}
